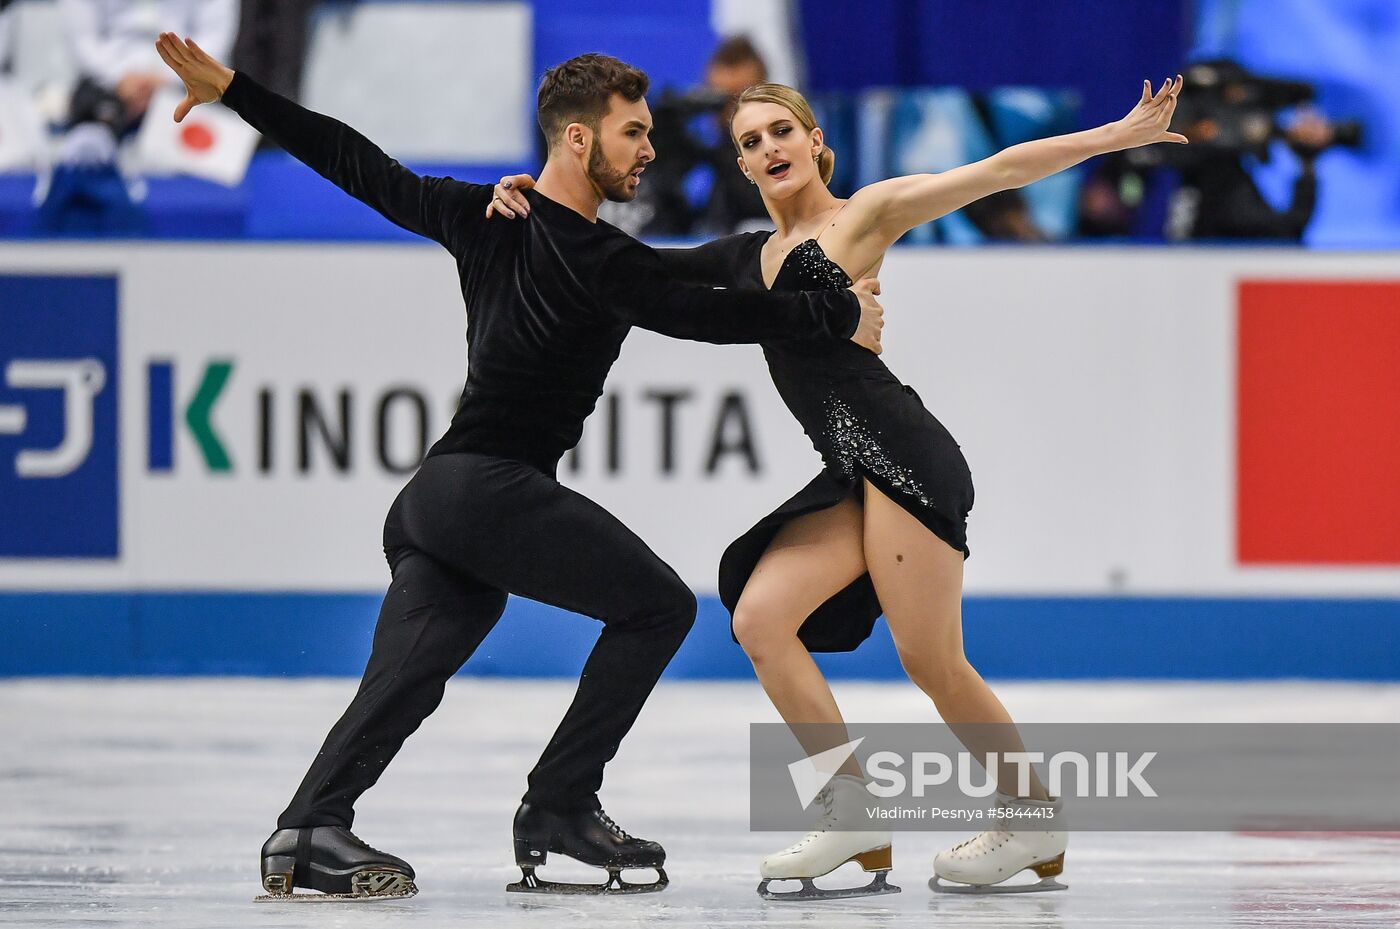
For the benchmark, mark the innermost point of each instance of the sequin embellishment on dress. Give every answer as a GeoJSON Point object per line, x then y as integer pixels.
{"type": "Point", "coordinates": [817, 268]}
{"type": "Point", "coordinates": [852, 441]}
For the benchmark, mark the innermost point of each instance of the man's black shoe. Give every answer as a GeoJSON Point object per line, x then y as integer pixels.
{"type": "Point", "coordinates": [589, 837]}
{"type": "Point", "coordinates": [332, 860]}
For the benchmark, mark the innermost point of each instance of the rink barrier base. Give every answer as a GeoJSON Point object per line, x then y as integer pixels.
{"type": "Point", "coordinates": [313, 634]}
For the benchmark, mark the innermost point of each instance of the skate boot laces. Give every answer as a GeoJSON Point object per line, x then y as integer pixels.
{"type": "Point", "coordinates": [986, 841]}
{"type": "Point", "coordinates": [827, 823]}
{"type": "Point", "coordinates": [828, 802]}
{"type": "Point", "coordinates": [613, 827]}
{"type": "Point", "coordinates": [981, 844]}
{"type": "Point", "coordinates": [367, 845]}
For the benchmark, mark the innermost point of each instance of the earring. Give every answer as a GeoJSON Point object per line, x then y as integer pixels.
{"type": "Point", "coordinates": [751, 180]}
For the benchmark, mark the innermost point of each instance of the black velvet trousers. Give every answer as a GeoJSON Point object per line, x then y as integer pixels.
{"type": "Point", "coordinates": [467, 530]}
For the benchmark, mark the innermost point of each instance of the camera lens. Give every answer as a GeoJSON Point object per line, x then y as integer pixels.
{"type": "Point", "coordinates": [1347, 133]}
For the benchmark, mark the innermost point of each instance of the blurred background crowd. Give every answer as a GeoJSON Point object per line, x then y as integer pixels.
{"type": "Point", "coordinates": [1293, 108]}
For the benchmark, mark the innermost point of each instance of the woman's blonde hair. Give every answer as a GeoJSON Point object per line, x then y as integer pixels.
{"type": "Point", "coordinates": [793, 101]}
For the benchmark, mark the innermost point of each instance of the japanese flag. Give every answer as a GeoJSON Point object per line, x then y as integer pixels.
{"type": "Point", "coordinates": [211, 143]}
{"type": "Point", "coordinates": [22, 137]}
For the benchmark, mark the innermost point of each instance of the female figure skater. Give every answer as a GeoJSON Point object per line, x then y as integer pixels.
{"type": "Point", "coordinates": [883, 527]}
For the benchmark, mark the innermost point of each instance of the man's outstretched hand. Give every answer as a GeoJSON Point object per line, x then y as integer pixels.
{"type": "Point", "coordinates": [872, 315]}
{"type": "Point", "coordinates": [205, 77]}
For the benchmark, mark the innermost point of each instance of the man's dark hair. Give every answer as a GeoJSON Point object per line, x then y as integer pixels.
{"type": "Point", "coordinates": [579, 90]}
{"type": "Point", "coordinates": [739, 50]}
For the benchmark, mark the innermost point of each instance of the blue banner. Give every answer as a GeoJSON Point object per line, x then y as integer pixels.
{"type": "Point", "coordinates": [58, 417]}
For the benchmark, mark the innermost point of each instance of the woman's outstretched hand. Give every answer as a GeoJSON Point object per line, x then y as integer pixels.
{"type": "Point", "coordinates": [205, 77]}
{"type": "Point", "coordinates": [1149, 120]}
{"type": "Point", "coordinates": [509, 199]}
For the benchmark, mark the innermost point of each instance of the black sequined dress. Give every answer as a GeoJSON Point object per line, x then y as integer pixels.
{"type": "Point", "coordinates": [861, 420]}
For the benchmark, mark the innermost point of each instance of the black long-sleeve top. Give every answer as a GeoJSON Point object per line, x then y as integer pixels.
{"type": "Point", "coordinates": [549, 300]}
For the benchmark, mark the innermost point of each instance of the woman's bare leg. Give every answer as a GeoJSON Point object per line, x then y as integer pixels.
{"type": "Point", "coordinates": [810, 560]}
{"type": "Point", "coordinates": [919, 580]}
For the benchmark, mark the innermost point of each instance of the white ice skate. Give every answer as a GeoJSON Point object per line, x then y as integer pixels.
{"type": "Point", "coordinates": [833, 843]}
{"type": "Point", "coordinates": [1014, 844]}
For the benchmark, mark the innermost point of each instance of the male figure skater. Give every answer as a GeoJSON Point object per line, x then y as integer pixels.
{"type": "Point", "coordinates": [548, 304]}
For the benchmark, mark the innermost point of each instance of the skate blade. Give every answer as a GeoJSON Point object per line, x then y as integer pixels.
{"type": "Point", "coordinates": [878, 886]}
{"type": "Point", "coordinates": [615, 885]}
{"type": "Point", "coordinates": [364, 886]}
{"type": "Point", "coordinates": [1044, 885]}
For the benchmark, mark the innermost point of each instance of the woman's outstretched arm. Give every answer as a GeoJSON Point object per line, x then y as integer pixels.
{"type": "Point", "coordinates": [888, 209]}
{"type": "Point", "coordinates": [427, 206]}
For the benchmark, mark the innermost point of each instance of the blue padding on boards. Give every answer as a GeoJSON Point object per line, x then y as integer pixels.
{"type": "Point", "coordinates": [294, 634]}
{"type": "Point", "coordinates": [301, 634]}
{"type": "Point", "coordinates": [67, 633]}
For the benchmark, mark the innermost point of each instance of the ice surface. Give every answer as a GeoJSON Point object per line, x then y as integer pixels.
{"type": "Point", "coordinates": [144, 803]}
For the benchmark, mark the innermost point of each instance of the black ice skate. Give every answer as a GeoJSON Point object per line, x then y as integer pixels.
{"type": "Point", "coordinates": [589, 837]}
{"type": "Point", "coordinates": [332, 860]}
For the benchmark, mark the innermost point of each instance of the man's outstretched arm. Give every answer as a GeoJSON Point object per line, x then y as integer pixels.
{"type": "Point", "coordinates": [636, 286]}
{"type": "Point", "coordinates": [717, 263]}
{"type": "Point", "coordinates": [427, 206]}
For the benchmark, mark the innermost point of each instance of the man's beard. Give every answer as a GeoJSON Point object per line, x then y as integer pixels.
{"type": "Point", "coordinates": [612, 182]}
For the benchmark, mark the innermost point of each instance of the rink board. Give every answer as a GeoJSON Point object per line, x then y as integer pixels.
{"type": "Point", "coordinates": [1006, 638]}
{"type": "Point", "coordinates": [1170, 448]}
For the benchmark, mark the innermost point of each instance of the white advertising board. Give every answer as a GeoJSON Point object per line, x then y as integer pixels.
{"type": "Point", "coordinates": [272, 401]}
